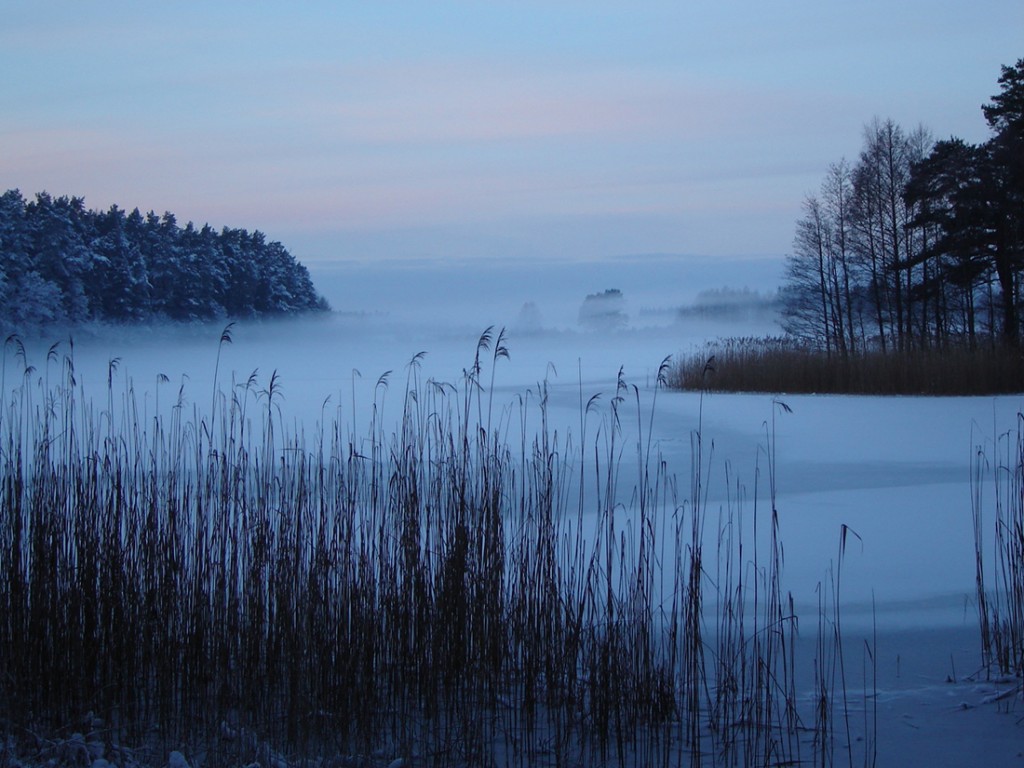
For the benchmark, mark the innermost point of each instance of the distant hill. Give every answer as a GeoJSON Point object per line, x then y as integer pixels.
{"type": "Point", "coordinates": [63, 263]}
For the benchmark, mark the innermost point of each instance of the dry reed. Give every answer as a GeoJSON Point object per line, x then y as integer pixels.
{"type": "Point", "coordinates": [782, 365]}
{"type": "Point", "coordinates": [1000, 580]}
{"type": "Point", "coordinates": [468, 588]}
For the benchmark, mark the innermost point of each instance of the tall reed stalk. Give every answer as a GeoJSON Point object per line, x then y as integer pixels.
{"type": "Point", "coordinates": [1000, 580]}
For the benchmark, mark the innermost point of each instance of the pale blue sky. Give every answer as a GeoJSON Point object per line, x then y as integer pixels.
{"type": "Point", "coordinates": [482, 129]}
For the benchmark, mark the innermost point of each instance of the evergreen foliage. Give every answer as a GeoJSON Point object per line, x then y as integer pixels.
{"type": "Point", "coordinates": [63, 263]}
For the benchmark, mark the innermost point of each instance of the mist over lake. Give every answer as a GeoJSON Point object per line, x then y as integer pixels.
{"type": "Point", "coordinates": [385, 314]}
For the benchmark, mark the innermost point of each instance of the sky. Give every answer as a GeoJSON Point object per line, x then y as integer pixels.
{"type": "Point", "coordinates": [435, 131]}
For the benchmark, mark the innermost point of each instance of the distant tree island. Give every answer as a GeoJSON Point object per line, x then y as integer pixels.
{"type": "Point", "coordinates": [63, 263]}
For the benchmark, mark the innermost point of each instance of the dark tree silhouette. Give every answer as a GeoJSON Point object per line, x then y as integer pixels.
{"type": "Point", "coordinates": [921, 244]}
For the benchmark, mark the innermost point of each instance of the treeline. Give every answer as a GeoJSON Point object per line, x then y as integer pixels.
{"type": "Point", "coordinates": [731, 304]}
{"type": "Point", "coordinates": [919, 244]}
{"type": "Point", "coordinates": [63, 263]}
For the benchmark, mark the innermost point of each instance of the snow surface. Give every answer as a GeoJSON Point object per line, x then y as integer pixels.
{"type": "Point", "coordinates": [896, 470]}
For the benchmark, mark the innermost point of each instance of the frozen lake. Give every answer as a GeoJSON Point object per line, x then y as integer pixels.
{"type": "Point", "coordinates": [895, 470]}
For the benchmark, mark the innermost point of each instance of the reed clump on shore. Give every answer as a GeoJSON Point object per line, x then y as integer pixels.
{"type": "Point", "coordinates": [458, 585]}
{"type": "Point", "coordinates": [782, 365]}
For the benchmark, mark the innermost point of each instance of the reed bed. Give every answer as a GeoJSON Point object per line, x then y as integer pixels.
{"type": "Point", "coordinates": [461, 585]}
{"type": "Point", "coordinates": [782, 365]}
{"type": "Point", "coordinates": [999, 553]}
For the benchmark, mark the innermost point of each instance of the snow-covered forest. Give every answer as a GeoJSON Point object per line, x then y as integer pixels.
{"type": "Point", "coordinates": [64, 263]}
